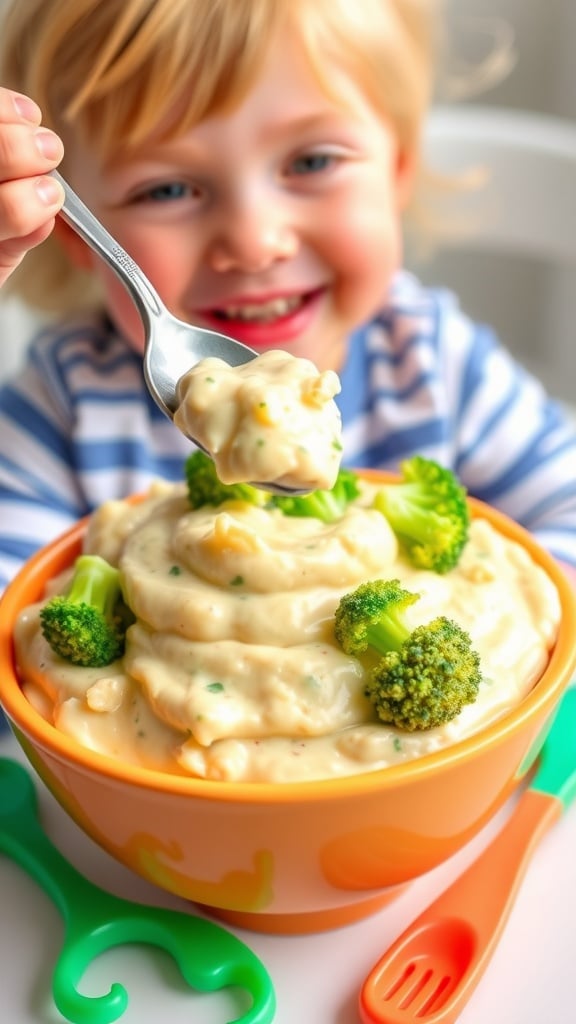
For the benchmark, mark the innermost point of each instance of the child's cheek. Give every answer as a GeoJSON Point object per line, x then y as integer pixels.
{"type": "Point", "coordinates": [370, 253]}
{"type": "Point", "coordinates": [122, 310]}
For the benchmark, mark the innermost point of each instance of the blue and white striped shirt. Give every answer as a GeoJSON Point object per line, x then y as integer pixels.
{"type": "Point", "coordinates": [77, 425]}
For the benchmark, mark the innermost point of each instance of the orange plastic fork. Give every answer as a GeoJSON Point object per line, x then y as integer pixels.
{"type": "Point", "coordinates": [429, 973]}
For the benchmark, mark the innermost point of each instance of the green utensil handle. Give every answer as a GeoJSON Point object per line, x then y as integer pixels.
{"type": "Point", "coordinates": [209, 957]}
{"type": "Point", "coordinates": [556, 774]}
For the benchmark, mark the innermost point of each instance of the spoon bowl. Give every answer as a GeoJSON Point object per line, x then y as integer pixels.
{"type": "Point", "coordinates": [172, 346]}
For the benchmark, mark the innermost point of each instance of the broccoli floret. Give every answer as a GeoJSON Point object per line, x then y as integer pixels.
{"type": "Point", "coordinates": [428, 512]}
{"type": "Point", "coordinates": [423, 677]}
{"type": "Point", "coordinates": [87, 625]}
{"type": "Point", "coordinates": [327, 505]}
{"type": "Point", "coordinates": [206, 488]}
{"type": "Point", "coordinates": [372, 616]}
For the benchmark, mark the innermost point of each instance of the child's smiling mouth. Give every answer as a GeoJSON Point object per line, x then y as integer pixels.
{"type": "Point", "coordinates": [271, 321]}
{"type": "Point", "coordinates": [262, 312]}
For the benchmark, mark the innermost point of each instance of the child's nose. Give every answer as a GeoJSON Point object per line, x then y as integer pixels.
{"type": "Point", "coordinates": [252, 239]}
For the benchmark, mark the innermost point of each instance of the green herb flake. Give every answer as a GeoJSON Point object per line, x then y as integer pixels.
{"type": "Point", "coordinates": [238, 581]}
{"type": "Point", "coordinates": [175, 570]}
{"type": "Point", "coordinates": [215, 687]}
{"type": "Point", "coordinates": [397, 744]}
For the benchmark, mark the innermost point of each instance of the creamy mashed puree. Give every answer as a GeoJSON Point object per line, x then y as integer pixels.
{"type": "Point", "coordinates": [271, 420]}
{"type": "Point", "coordinates": [231, 670]}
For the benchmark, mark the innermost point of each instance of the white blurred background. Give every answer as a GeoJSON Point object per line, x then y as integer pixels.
{"type": "Point", "coordinates": [531, 304]}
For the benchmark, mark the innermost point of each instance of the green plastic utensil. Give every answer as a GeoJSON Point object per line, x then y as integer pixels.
{"type": "Point", "coordinates": [209, 957]}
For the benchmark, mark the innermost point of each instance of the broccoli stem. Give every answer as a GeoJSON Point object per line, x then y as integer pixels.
{"type": "Point", "coordinates": [428, 511]}
{"type": "Point", "coordinates": [389, 633]}
{"type": "Point", "coordinates": [95, 582]}
{"type": "Point", "coordinates": [408, 510]}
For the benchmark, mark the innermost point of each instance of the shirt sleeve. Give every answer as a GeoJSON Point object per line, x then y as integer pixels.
{"type": "Point", "coordinates": [77, 428]}
{"type": "Point", "coordinates": [39, 496]}
{"type": "Point", "coordinates": [515, 447]}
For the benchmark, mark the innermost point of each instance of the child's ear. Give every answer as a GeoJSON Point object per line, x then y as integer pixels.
{"type": "Point", "coordinates": [405, 177]}
{"type": "Point", "coordinates": [79, 254]}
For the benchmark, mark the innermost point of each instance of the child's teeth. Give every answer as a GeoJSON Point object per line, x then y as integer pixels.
{"type": "Point", "coordinates": [264, 310]}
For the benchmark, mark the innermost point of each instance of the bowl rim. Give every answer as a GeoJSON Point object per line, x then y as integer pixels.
{"type": "Point", "coordinates": [27, 587]}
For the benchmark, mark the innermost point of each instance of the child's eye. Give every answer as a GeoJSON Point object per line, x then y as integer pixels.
{"type": "Point", "coordinates": [168, 191]}
{"type": "Point", "coordinates": [311, 163]}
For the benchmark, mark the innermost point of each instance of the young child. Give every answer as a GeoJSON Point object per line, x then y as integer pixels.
{"type": "Point", "coordinates": [256, 158]}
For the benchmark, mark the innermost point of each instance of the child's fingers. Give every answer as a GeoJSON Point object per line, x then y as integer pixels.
{"type": "Point", "coordinates": [29, 197]}
{"type": "Point", "coordinates": [27, 148]}
{"type": "Point", "coordinates": [14, 108]}
{"type": "Point", "coordinates": [27, 210]}
{"type": "Point", "coordinates": [13, 250]}
{"type": "Point", "coordinates": [26, 204]}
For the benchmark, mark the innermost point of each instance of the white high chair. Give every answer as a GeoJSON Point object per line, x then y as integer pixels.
{"type": "Point", "coordinates": [527, 202]}
{"type": "Point", "coordinates": [17, 324]}
{"type": "Point", "coordinates": [511, 256]}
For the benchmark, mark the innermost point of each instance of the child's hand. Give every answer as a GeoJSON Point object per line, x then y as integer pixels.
{"type": "Point", "coordinates": [29, 200]}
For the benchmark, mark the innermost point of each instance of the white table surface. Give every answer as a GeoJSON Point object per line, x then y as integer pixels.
{"type": "Point", "coordinates": [531, 979]}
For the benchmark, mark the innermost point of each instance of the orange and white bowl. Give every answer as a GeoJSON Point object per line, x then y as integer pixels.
{"type": "Point", "coordinates": [290, 857]}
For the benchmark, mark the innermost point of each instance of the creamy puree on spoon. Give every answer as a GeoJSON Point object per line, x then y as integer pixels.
{"type": "Point", "coordinates": [272, 419]}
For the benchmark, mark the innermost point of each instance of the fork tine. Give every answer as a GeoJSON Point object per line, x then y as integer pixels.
{"type": "Point", "coordinates": [407, 994]}
{"type": "Point", "coordinates": [421, 988]}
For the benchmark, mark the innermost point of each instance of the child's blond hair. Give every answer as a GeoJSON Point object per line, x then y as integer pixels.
{"type": "Point", "coordinates": [109, 71]}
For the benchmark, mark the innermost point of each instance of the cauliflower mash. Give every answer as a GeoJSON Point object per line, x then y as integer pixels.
{"type": "Point", "coordinates": [231, 669]}
{"type": "Point", "coordinates": [273, 419]}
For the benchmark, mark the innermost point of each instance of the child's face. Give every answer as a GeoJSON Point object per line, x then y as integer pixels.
{"type": "Point", "coordinates": [277, 223]}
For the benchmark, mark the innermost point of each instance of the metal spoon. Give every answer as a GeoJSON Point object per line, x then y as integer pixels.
{"type": "Point", "coordinates": [172, 346]}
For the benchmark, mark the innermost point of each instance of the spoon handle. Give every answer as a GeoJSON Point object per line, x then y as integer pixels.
{"type": "Point", "coordinates": [24, 840]}
{"type": "Point", "coordinates": [476, 907]}
{"type": "Point", "coordinates": [209, 957]}
{"type": "Point", "coordinates": [83, 221]}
